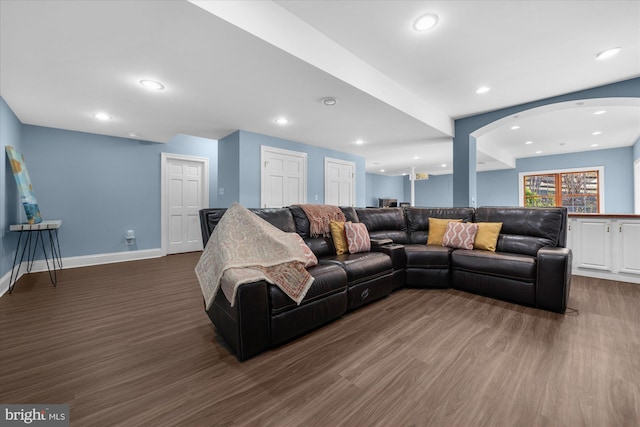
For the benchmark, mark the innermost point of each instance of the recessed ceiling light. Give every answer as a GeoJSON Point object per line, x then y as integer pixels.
{"type": "Point", "coordinates": [594, 145]}
{"type": "Point", "coordinates": [151, 84]}
{"type": "Point", "coordinates": [425, 22]}
{"type": "Point", "coordinates": [282, 121]}
{"type": "Point", "coordinates": [515, 127]}
{"type": "Point", "coordinates": [597, 113]}
{"type": "Point", "coordinates": [528, 142]}
{"type": "Point", "coordinates": [133, 135]}
{"type": "Point", "coordinates": [483, 89]}
{"type": "Point", "coordinates": [539, 151]}
{"type": "Point", "coordinates": [102, 116]}
{"type": "Point", "coordinates": [360, 142]}
{"type": "Point", "coordinates": [415, 157]}
{"type": "Point", "coordinates": [444, 165]}
{"type": "Point", "coordinates": [381, 170]}
{"type": "Point", "coordinates": [605, 54]}
{"type": "Point", "coordinates": [596, 133]}
{"type": "Point", "coordinates": [329, 101]}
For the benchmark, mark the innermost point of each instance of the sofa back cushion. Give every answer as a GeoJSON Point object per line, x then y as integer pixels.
{"type": "Point", "coordinates": [209, 218]}
{"type": "Point", "coordinates": [384, 223]}
{"type": "Point", "coordinates": [281, 218]}
{"type": "Point", "coordinates": [321, 246]}
{"type": "Point", "coordinates": [526, 230]}
{"type": "Point", "coordinates": [418, 220]}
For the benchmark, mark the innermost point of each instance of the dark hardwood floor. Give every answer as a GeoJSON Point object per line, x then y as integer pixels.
{"type": "Point", "coordinates": [129, 344]}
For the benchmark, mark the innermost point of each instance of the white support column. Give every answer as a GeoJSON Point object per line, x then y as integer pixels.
{"type": "Point", "coordinates": [412, 179]}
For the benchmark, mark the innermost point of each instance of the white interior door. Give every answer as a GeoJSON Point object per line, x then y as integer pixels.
{"type": "Point", "coordinates": [185, 192]}
{"type": "Point", "coordinates": [636, 185]}
{"type": "Point", "coordinates": [284, 177]}
{"type": "Point", "coordinates": [339, 182]}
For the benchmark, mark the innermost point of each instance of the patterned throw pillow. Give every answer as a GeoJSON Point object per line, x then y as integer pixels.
{"type": "Point", "coordinates": [338, 236]}
{"type": "Point", "coordinates": [437, 227]}
{"type": "Point", "coordinates": [357, 237]}
{"type": "Point", "coordinates": [311, 260]}
{"type": "Point", "coordinates": [460, 235]}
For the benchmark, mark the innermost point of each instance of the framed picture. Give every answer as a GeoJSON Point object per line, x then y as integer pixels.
{"type": "Point", "coordinates": [25, 189]}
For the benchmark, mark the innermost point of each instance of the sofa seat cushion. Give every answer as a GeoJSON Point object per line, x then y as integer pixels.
{"type": "Point", "coordinates": [423, 256]}
{"type": "Point", "coordinates": [502, 264]}
{"type": "Point", "coordinates": [328, 279]}
{"type": "Point", "coordinates": [362, 266]}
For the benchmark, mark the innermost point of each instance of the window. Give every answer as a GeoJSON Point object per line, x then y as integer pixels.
{"type": "Point", "coordinates": [577, 190]}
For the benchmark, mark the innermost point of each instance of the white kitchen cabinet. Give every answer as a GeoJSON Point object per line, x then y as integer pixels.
{"type": "Point", "coordinates": [628, 232]}
{"type": "Point", "coordinates": [606, 247]}
{"type": "Point", "coordinates": [593, 244]}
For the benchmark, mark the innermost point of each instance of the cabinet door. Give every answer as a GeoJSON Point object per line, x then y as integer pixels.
{"type": "Point", "coordinates": [593, 241]}
{"type": "Point", "coordinates": [628, 247]}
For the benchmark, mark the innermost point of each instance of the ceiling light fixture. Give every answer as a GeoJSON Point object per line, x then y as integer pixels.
{"type": "Point", "coordinates": [606, 54]}
{"type": "Point", "coordinates": [596, 133]}
{"type": "Point", "coordinates": [528, 142]}
{"type": "Point", "coordinates": [426, 22]}
{"type": "Point", "coordinates": [360, 142]}
{"type": "Point", "coordinates": [539, 151]}
{"type": "Point", "coordinates": [515, 127]}
{"type": "Point", "coordinates": [415, 157]}
{"type": "Point", "coordinates": [151, 84]}
{"type": "Point", "coordinates": [102, 116]}
{"type": "Point", "coordinates": [381, 170]}
{"type": "Point", "coordinates": [483, 89]}
{"type": "Point", "coordinates": [282, 121]}
{"type": "Point", "coordinates": [594, 145]}
{"type": "Point", "coordinates": [597, 113]}
{"type": "Point", "coordinates": [329, 101]}
{"type": "Point", "coordinates": [444, 165]}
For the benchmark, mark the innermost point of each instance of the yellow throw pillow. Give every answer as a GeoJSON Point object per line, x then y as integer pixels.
{"type": "Point", "coordinates": [437, 227]}
{"type": "Point", "coordinates": [487, 236]}
{"type": "Point", "coordinates": [339, 237]}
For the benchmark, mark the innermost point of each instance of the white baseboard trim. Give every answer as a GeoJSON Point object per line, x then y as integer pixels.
{"type": "Point", "coordinates": [620, 277]}
{"type": "Point", "coordinates": [83, 261]}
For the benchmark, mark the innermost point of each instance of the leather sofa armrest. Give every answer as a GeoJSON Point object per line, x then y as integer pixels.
{"type": "Point", "coordinates": [246, 325]}
{"type": "Point", "coordinates": [380, 242]}
{"type": "Point", "coordinates": [554, 278]}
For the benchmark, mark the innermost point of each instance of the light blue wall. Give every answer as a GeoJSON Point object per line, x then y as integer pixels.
{"type": "Point", "coordinates": [464, 164]}
{"type": "Point", "coordinates": [500, 188]}
{"type": "Point", "coordinates": [384, 187]}
{"type": "Point", "coordinates": [101, 186]}
{"type": "Point", "coordinates": [244, 168]}
{"type": "Point", "coordinates": [228, 170]}
{"type": "Point", "coordinates": [10, 134]}
{"type": "Point", "coordinates": [437, 191]}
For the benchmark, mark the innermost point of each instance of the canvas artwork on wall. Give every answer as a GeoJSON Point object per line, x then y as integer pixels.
{"type": "Point", "coordinates": [25, 189]}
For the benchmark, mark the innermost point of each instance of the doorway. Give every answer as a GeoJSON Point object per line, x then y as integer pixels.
{"type": "Point", "coordinates": [339, 182]}
{"type": "Point", "coordinates": [184, 191]}
{"type": "Point", "coordinates": [284, 177]}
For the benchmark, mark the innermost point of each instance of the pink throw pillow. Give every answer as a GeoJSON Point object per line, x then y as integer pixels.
{"type": "Point", "coordinates": [460, 235]}
{"type": "Point", "coordinates": [357, 237]}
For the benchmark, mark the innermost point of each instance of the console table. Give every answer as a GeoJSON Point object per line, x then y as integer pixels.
{"type": "Point", "coordinates": [50, 228]}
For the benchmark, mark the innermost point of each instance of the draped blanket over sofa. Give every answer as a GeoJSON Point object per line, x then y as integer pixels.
{"type": "Point", "coordinates": [510, 253]}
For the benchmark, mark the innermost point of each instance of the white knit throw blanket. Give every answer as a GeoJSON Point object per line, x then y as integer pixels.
{"type": "Point", "coordinates": [244, 248]}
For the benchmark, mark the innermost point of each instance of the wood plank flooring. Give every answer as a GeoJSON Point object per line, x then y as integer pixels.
{"type": "Point", "coordinates": [129, 344]}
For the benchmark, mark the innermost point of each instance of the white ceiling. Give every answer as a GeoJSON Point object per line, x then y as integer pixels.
{"type": "Point", "coordinates": [239, 65]}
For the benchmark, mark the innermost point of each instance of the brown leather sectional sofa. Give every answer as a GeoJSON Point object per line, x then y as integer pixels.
{"type": "Point", "coordinates": [530, 266]}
